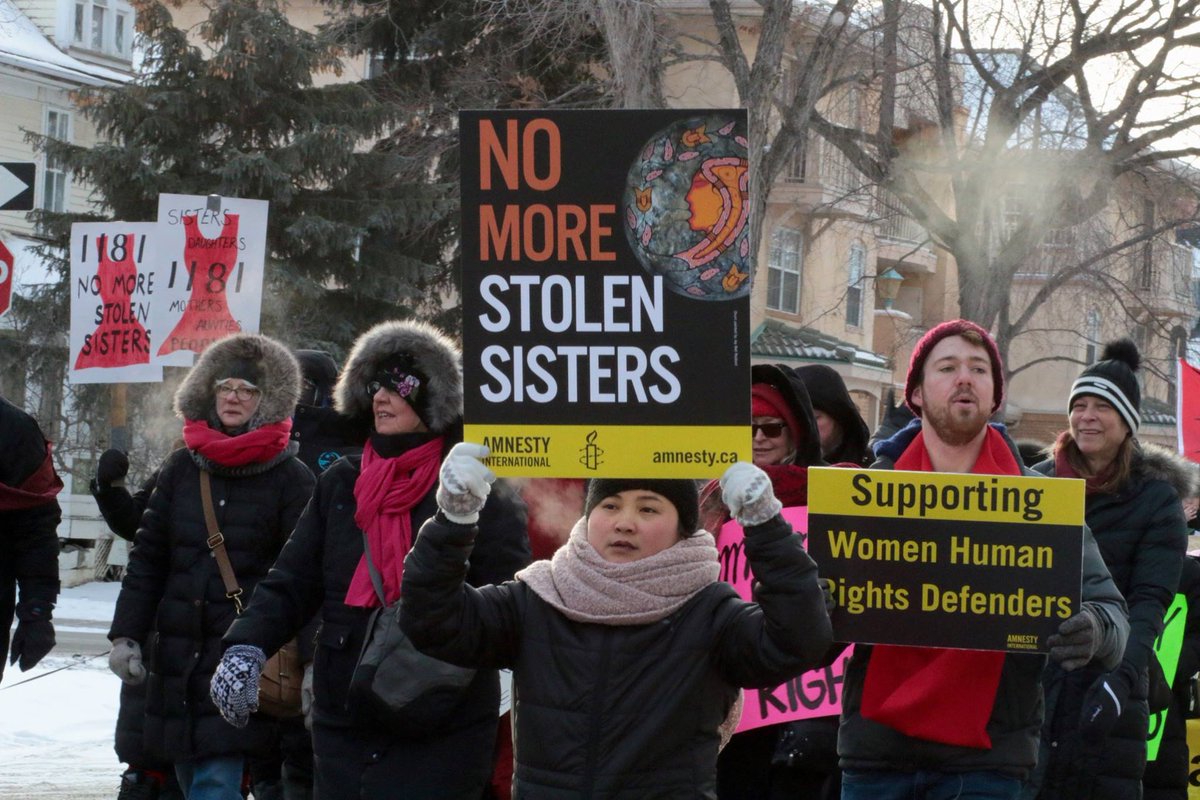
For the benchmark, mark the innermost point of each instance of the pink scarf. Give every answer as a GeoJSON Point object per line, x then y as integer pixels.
{"type": "Point", "coordinates": [386, 491]}
{"type": "Point", "coordinates": [252, 447]}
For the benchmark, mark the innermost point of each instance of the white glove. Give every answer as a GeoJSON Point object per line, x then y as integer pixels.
{"type": "Point", "coordinates": [748, 494]}
{"type": "Point", "coordinates": [306, 695]}
{"type": "Point", "coordinates": [125, 660]}
{"type": "Point", "coordinates": [464, 483]}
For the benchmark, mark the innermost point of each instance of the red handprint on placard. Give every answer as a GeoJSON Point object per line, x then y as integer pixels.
{"type": "Point", "coordinates": [206, 316]}
{"type": "Point", "coordinates": [120, 339]}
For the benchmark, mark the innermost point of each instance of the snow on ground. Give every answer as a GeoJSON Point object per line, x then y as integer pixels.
{"type": "Point", "coordinates": [56, 730]}
{"type": "Point", "coordinates": [91, 601]}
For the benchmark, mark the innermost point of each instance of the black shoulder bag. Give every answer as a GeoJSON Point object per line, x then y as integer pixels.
{"type": "Point", "coordinates": [396, 685]}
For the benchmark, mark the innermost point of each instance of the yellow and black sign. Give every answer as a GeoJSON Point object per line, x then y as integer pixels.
{"type": "Point", "coordinates": [979, 562]}
{"type": "Point", "coordinates": [606, 294]}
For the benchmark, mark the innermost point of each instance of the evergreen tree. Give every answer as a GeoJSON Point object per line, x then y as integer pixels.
{"type": "Point", "coordinates": [233, 109]}
{"type": "Point", "coordinates": [433, 58]}
{"type": "Point", "coordinates": [235, 112]}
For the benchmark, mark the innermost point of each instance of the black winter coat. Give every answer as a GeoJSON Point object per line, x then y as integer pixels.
{"type": "Point", "coordinates": [1166, 778]}
{"type": "Point", "coordinates": [28, 537]}
{"type": "Point", "coordinates": [1141, 534]}
{"type": "Point", "coordinates": [324, 436]}
{"type": "Point", "coordinates": [312, 576]}
{"type": "Point", "coordinates": [173, 602]}
{"type": "Point", "coordinates": [631, 711]}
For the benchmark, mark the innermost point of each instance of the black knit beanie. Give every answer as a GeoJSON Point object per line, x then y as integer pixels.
{"type": "Point", "coordinates": [681, 492]}
{"type": "Point", "coordinates": [1113, 379]}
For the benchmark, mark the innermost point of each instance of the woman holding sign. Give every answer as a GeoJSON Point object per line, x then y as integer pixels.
{"type": "Point", "coordinates": [1093, 741]}
{"type": "Point", "coordinates": [405, 380]}
{"type": "Point", "coordinates": [794, 759]}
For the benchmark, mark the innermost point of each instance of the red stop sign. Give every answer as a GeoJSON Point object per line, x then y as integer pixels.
{"type": "Point", "coordinates": [6, 278]}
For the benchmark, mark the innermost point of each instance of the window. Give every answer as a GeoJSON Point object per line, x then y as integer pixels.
{"type": "Point", "coordinates": [1092, 335]}
{"type": "Point", "coordinates": [854, 288]}
{"type": "Point", "coordinates": [105, 26]}
{"type": "Point", "coordinates": [54, 174]}
{"type": "Point", "coordinates": [783, 270]}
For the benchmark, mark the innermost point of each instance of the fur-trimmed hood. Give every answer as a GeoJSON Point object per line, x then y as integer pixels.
{"type": "Point", "coordinates": [278, 371]}
{"type": "Point", "coordinates": [435, 353]}
{"type": "Point", "coordinates": [1158, 462]}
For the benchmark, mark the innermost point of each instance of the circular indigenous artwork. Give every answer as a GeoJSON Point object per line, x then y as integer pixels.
{"type": "Point", "coordinates": [686, 204]}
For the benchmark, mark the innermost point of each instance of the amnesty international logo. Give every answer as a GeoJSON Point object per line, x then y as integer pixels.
{"type": "Point", "coordinates": [591, 455]}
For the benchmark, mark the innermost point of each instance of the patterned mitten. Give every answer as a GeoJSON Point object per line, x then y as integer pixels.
{"type": "Point", "coordinates": [234, 687]}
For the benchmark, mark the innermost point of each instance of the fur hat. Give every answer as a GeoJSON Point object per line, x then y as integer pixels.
{"type": "Point", "coordinates": [954, 327]}
{"type": "Point", "coordinates": [1113, 379]}
{"type": "Point", "coordinates": [431, 354]}
{"type": "Point", "coordinates": [251, 357]}
{"type": "Point", "coordinates": [681, 492]}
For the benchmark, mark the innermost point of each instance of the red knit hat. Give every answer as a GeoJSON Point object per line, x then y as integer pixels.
{"type": "Point", "coordinates": [767, 401]}
{"type": "Point", "coordinates": [954, 327]}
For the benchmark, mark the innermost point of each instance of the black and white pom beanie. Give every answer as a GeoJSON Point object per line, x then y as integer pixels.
{"type": "Point", "coordinates": [1114, 379]}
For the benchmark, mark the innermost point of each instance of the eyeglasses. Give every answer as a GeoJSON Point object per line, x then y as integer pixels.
{"type": "Point", "coordinates": [771, 430]}
{"type": "Point", "coordinates": [241, 392]}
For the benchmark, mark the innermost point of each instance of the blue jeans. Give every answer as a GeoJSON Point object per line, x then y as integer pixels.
{"type": "Point", "coordinates": [889, 785]}
{"type": "Point", "coordinates": [218, 778]}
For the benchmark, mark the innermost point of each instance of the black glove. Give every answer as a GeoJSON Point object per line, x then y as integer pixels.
{"type": "Point", "coordinates": [827, 590]}
{"type": "Point", "coordinates": [1102, 705]}
{"type": "Point", "coordinates": [113, 466]}
{"type": "Point", "coordinates": [1077, 639]}
{"type": "Point", "coordinates": [34, 637]}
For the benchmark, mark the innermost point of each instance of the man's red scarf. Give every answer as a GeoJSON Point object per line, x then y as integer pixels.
{"type": "Point", "coordinates": [385, 492]}
{"type": "Point", "coordinates": [38, 489]}
{"type": "Point", "coordinates": [252, 447]}
{"type": "Point", "coordinates": [931, 693]}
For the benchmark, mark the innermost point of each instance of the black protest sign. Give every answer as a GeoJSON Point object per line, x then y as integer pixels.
{"type": "Point", "coordinates": [606, 262]}
{"type": "Point", "coordinates": [980, 562]}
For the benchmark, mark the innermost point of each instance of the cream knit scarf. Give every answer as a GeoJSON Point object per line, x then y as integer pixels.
{"type": "Point", "coordinates": [585, 588]}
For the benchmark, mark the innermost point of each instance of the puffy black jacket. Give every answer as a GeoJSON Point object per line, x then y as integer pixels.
{"type": "Point", "coordinates": [324, 436]}
{"type": "Point", "coordinates": [173, 602]}
{"type": "Point", "coordinates": [1141, 534]}
{"type": "Point", "coordinates": [313, 574]}
{"type": "Point", "coordinates": [631, 711]}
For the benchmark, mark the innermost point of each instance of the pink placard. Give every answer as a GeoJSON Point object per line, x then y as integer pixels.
{"type": "Point", "coordinates": [816, 693]}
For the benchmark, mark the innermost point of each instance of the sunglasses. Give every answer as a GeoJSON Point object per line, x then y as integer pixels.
{"type": "Point", "coordinates": [407, 386]}
{"type": "Point", "coordinates": [771, 430]}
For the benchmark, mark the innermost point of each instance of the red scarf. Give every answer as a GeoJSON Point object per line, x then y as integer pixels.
{"type": "Point", "coordinates": [38, 489]}
{"type": "Point", "coordinates": [931, 693]}
{"type": "Point", "coordinates": [252, 447]}
{"type": "Point", "coordinates": [386, 491]}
